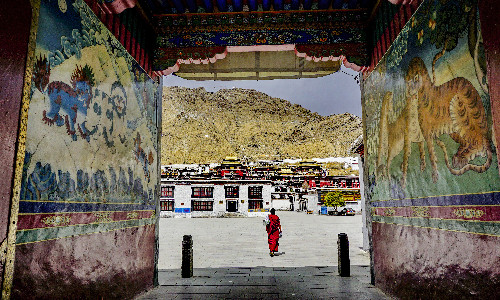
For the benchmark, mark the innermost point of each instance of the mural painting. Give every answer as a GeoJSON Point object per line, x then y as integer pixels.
{"type": "Point", "coordinates": [427, 109]}
{"type": "Point", "coordinates": [431, 158]}
{"type": "Point", "coordinates": [91, 145]}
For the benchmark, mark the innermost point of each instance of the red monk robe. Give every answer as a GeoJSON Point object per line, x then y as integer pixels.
{"type": "Point", "coordinates": [273, 233]}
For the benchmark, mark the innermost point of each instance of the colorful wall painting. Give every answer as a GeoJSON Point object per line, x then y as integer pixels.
{"type": "Point", "coordinates": [432, 172]}
{"type": "Point", "coordinates": [92, 123]}
{"type": "Point", "coordinates": [427, 110]}
{"type": "Point", "coordinates": [91, 151]}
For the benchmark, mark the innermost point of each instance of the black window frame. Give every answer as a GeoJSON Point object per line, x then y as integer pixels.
{"type": "Point", "coordinates": [232, 191]}
{"type": "Point", "coordinates": [255, 192]}
{"type": "Point", "coordinates": [167, 204]}
{"type": "Point", "coordinates": [167, 189]}
{"type": "Point", "coordinates": [255, 204]}
{"type": "Point", "coordinates": [202, 205]}
{"type": "Point", "coordinates": [202, 192]}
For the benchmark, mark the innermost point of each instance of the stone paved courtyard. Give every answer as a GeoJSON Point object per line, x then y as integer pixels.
{"type": "Point", "coordinates": [231, 260]}
{"type": "Point", "coordinates": [308, 240]}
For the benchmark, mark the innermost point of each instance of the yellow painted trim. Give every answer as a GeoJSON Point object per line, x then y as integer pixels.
{"type": "Point", "coordinates": [20, 153]}
{"type": "Point", "coordinates": [425, 227]}
{"type": "Point", "coordinates": [64, 237]}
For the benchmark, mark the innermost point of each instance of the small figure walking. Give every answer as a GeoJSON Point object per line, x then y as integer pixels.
{"type": "Point", "coordinates": [273, 228]}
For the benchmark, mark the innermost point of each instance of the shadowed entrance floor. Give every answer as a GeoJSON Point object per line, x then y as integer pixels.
{"type": "Point", "coordinates": [266, 283]}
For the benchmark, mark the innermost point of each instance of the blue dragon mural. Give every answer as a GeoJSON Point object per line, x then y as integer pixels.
{"type": "Point", "coordinates": [73, 100]}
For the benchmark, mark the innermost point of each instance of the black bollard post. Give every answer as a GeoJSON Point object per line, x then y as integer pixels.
{"type": "Point", "coordinates": [187, 256]}
{"type": "Point", "coordinates": [343, 249]}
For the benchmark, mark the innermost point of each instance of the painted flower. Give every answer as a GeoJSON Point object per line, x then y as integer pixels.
{"type": "Point", "coordinates": [413, 22]}
{"type": "Point", "coordinates": [432, 24]}
{"type": "Point", "coordinates": [420, 36]}
{"type": "Point", "coordinates": [260, 38]}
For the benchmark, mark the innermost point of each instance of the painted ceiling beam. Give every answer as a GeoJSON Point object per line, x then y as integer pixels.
{"type": "Point", "coordinates": [237, 5]}
{"type": "Point", "coordinates": [151, 5]}
{"type": "Point", "coordinates": [404, 2]}
{"type": "Point", "coordinates": [191, 4]}
{"type": "Point", "coordinates": [252, 5]}
{"type": "Point", "coordinates": [307, 4]}
{"type": "Point", "coordinates": [222, 5]}
{"type": "Point", "coordinates": [266, 4]}
{"type": "Point", "coordinates": [164, 6]}
{"type": "Point", "coordinates": [116, 6]}
{"type": "Point", "coordinates": [278, 5]}
{"type": "Point", "coordinates": [209, 6]}
{"type": "Point", "coordinates": [337, 4]}
{"type": "Point", "coordinates": [324, 4]}
{"type": "Point", "coordinates": [178, 6]}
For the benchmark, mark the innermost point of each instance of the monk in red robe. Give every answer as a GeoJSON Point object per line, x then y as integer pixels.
{"type": "Point", "coordinates": [273, 232]}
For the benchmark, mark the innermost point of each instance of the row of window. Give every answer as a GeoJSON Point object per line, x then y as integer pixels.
{"type": "Point", "coordinates": [168, 205]}
{"type": "Point", "coordinates": [254, 192]}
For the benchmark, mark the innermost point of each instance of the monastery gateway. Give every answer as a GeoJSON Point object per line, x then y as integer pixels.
{"type": "Point", "coordinates": [81, 119]}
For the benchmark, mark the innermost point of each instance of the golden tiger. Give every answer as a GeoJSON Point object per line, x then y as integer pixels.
{"type": "Point", "coordinates": [454, 108]}
{"type": "Point", "coordinates": [397, 136]}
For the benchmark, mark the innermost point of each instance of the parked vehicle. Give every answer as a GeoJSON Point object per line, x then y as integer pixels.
{"type": "Point", "coordinates": [346, 211]}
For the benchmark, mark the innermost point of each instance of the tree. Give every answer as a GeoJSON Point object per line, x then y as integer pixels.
{"type": "Point", "coordinates": [334, 199]}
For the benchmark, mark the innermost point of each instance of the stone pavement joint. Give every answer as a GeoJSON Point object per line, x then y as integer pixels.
{"type": "Point", "coordinates": [266, 283]}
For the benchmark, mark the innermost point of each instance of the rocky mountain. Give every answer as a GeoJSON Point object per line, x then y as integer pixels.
{"type": "Point", "coordinates": [203, 127]}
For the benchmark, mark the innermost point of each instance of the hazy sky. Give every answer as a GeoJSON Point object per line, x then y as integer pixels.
{"type": "Point", "coordinates": [333, 94]}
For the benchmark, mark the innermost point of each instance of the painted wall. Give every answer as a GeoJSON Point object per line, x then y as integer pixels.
{"type": "Point", "coordinates": [86, 222]}
{"type": "Point", "coordinates": [431, 162]}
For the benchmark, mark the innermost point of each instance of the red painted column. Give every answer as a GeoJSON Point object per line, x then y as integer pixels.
{"type": "Point", "coordinates": [109, 22]}
{"type": "Point", "coordinates": [490, 29]}
{"type": "Point", "coordinates": [116, 27]}
{"type": "Point", "coordinates": [14, 18]}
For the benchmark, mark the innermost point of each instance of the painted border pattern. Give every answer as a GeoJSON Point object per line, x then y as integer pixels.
{"type": "Point", "coordinates": [99, 222]}
{"type": "Point", "coordinates": [460, 212]}
{"type": "Point", "coordinates": [487, 198]}
{"type": "Point", "coordinates": [36, 206]}
{"type": "Point", "coordinates": [474, 227]}
{"type": "Point", "coordinates": [470, 213]}
{"type": "Point", "coordinates": [63, 219]}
